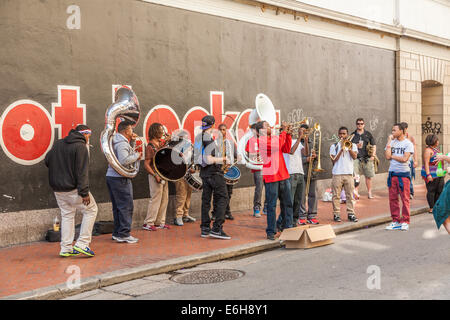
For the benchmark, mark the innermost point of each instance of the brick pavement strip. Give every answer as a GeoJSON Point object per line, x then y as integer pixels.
{"type": "Point", "coordinates": [243, 226]}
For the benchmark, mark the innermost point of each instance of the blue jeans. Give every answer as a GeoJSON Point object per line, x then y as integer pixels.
{"type": "Point", "coordinates": [275, 190]}
{"type": "Point", "coordinates": [121, 193]}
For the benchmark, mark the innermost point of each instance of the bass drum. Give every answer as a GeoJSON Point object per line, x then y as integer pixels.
{"type": "Point", "coordinates": [194, 180]}
{"type": "Point", "coordinates": [168, 164]}
{"type": "Point", "coordinates": [232, 176]}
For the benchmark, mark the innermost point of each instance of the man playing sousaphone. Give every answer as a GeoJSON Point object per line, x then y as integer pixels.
{"type": "Point", "coordinates": [159, 189]}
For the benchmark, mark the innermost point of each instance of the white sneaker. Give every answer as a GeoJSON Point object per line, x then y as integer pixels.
{"type": "Point", "coordinates": [128, 239]}
{"type": "Point", "coordinates": [394, 226]}
{"type": "Point", "coordinates": [188, 218]}
{"type": "Point", "coordinates": [179, 222]}
{"type": "Point", "coordinates": [405, 226]}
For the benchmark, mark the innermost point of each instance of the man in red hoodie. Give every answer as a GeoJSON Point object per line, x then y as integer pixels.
{"type": "Point", "coordinates": [275, 174]}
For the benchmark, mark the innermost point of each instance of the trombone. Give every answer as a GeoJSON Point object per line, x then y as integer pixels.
{"type": "Point", "coordinates": [318, 167]}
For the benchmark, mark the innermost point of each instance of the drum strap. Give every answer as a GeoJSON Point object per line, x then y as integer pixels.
{"type": "Point", "coordinates": [153, 147]}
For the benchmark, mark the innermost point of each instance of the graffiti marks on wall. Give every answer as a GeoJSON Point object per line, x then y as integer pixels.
{"type": "Point", "coordinates": [297, 115]}
{"type": "Point", "coordinates": [373, 124]}
{"type": "Point", "coordinates": [431, 127]}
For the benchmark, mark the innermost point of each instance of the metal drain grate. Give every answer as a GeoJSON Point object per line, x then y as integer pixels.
{"type": "Point", "coordinates": [207, 276]}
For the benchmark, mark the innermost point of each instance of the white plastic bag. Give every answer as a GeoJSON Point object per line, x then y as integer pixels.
{"type": "Point", "coordinates": [327, 195]}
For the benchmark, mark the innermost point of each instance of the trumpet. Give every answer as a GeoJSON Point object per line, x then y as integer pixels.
{"type": "Point", "coordinates": [347, 143]}
{"type": "Point", "coordinates": [294, 126]}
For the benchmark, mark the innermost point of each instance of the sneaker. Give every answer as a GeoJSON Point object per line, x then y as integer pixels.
{"type": "Point", "coordinates": [219, 235]}
{"type": "Point", "coordinates": [404, 226]}
{"type": "Point", "coordinates": [178, 222]}
{"type": "Point", "coordinates": [163, 226]}
{"type": "Point", "coordinates": [69, 254]}
{"type": "Point", "coordinates": [271, 236]}
{"type": "Point", "coordinates": [337, 218]}
{"type": "Point", "coordinates": [370, 195]}
{"type": "Point", "coordinates": [411, 196]}
{"type": "Point", "coordinates": [149, 227]}
{"type": "Point", "coordinates": [352, 217]}
{"type": "Point", "coordinates": [313, 221]}
{"type": "Point", "coordinates": [205, 233]}
{"type": "Point", "coordinates": [229, 217]}
{"type": "Point", "coordinates": [188, 218]}
{"type": "Point", "coordinates": [128, 239]}
{"type": "Point", "coordinates": [394, 226]}
{"type": "Point", "coordinates": [301, 222]}
{"type": "Point", "coordinates": [213, 218]}
{"type": "Point", "coordinates": [85, 251]}
{"type": "Point", "coordinates": [256, 214]}
{"type": "Point", "coordinates": [264, 211]}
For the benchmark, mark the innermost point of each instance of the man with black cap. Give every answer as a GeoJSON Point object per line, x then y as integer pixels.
{"type": "Point", "coordinates": [68, 174]}
{"type": "Point", "coordinates": [208, 155]}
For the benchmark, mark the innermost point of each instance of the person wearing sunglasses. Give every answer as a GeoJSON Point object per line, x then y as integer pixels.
{"type": "Point", "coordinates": [364, 164]}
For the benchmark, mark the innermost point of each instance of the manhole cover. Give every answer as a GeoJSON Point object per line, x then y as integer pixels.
{"type": "Point", "coordinates": [207, 276]}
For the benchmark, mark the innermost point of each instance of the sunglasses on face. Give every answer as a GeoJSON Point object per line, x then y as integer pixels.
{"type": "Point", "coordinates": [360, 123]}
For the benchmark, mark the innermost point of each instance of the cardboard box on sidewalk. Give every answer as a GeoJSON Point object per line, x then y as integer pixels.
{"type": "Point", "coordinates": [308, 236]}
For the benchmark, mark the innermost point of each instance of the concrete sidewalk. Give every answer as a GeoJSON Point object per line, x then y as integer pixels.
{"type": "Point", "coordinates": [35, 271]}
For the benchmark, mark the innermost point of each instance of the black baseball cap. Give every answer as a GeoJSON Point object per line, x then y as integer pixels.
{"type": "Point", "coordinates": [208, 122]}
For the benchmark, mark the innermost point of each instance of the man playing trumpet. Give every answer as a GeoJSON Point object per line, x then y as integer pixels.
{"type": "Point", "coordinates": [275, 174]}
{"type": "Point", "coordinates": [342, 154]}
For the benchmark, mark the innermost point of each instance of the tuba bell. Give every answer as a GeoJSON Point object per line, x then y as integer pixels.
{"type": "Point", "coordinates": [126, 106]}
{"type": "Point", "coordinates": [264, 111]}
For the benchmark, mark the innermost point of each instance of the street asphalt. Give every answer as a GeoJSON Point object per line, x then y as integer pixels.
{"type": "Point", "coordinates": [370, 263]}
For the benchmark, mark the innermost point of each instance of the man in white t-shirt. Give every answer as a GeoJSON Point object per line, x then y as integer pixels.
{"type": "Point", "coordinates": [294, 164]}
{"type": "Point", "coordinates": [343, 175]}
{"type": "Point", "coordinates": [398, 150]}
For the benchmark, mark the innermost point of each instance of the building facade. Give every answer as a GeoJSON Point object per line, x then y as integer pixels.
{"type": "Point", "coordinates": [62, 61]}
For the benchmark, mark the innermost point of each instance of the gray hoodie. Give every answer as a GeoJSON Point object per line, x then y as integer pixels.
{"type": "Point", "coordinates": [125, 154]}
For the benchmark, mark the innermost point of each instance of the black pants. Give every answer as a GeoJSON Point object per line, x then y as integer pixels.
{"type": "Point", "coordinates": [216, 187]}
{"type": "Point", "coordinates": [227, 210]}
{"type": "Point", "coordinates": [434, 189]}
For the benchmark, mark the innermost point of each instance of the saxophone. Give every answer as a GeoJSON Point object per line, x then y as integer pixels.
{"type": "Point", "coordinates": [370, 152]}
{"type": "Point", "coordinates": [225, 166]}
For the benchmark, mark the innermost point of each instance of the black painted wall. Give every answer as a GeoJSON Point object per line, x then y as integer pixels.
{"type": "Point", "coordinates": [177, 57]}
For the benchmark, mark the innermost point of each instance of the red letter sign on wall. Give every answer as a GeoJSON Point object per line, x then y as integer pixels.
{"type": "Point", "coordinates": [68, 112]}
{"type": "Point", "coordinates": [26, 132]}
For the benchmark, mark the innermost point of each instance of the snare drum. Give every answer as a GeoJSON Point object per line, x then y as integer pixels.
{"type": "Point", "coordinates": [194, 180]}
{"type": "Point", "coordinates": [232, 176]}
